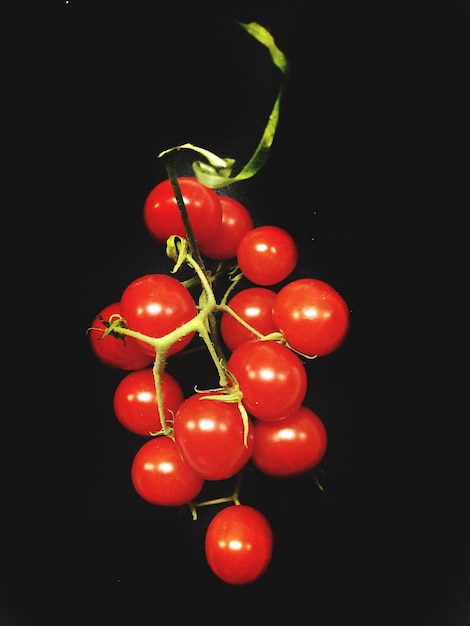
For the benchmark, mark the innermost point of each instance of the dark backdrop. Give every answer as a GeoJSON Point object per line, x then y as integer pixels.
{"type": "Point", "coordinates": [369, 172]}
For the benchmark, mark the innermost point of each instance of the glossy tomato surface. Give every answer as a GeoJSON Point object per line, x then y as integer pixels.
{"type": "Point", "coordinates": [239, 544]}
{"type": "Point", "coordinates": [157, 304]}
{"type": "Point", "coordinates": [312, 315]}
{"type": "Point", "coordinates": [124, 353]}
{"type": "Point", "coordinates": [271, 377]}
{"type": "Point", "coordinates": [236, 222]}
{"type": "Point", "coordinates": [267, 255]}
{"type": "Point", "coordinates": [135, 401]}
{"type": "Point", "coordinates": [162, 215]}
{"type": "Point", "coordinates": [291, 446]}
{"type": "Point", "coordinates": [210, 436]}
{"type": "Point", "coordinates": [161, 476]}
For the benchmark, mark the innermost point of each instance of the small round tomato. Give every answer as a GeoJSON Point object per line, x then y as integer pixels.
{"type": "Point", "coordinates": [135, 401]}
{"type": "Point", "coordinates": [157, 304]}
{"type": "Point", "coordinates": [271, 377]}
{"type": "Point", "coordinates": [254, 305]}
{"type": "Point", "coordinates": [209, 433]}
{"type": "Point", "coordinates": [236, 222]}
{"type": "Point", "coordinates": [291, 446]}
{"type": "Point", "coordinates": [162, 216]}
{"type": "Point", "coordinates": [161, 476]}
{"type": "Point", "coordinates": [116, 351]}
{"type": "Point", "coordinates": [312, 316]}
{"type": "Point", "coordinates": [267, 255]}
{"type": "Point", "coordinates": [239, 544]}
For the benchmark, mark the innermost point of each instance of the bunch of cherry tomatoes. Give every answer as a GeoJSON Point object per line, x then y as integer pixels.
{"type": "Point", "coordinates": [259, 331]}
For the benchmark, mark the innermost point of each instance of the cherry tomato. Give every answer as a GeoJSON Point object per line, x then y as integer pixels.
{"type": "Point", "coordinates": [267, 255]}
{"type": "Point", "coordinates": [156, 304]}
{"type": "Point", "coordinates": [135, 401]}
{"type": "Point", "coordinates": [209, 434]}
{"type": "Point", "coordinates": [239, 544]}
{"type": "Point", "coordinates": [236, 222]}
{"type": "Point", "coordinates": [162, 217]}
{"type": "Point", "coordinates": [254, 306]}
{"type": "Point", "coordinates": [313, 317]}
{"type": "Point", "coordinates": [161, 476]}
{"type": "Point", "coordinates": [271, 377]}
{"type": "Point", "coordinates": [291, 446]}
{"type": "Point", "coordinates": [120, 352]}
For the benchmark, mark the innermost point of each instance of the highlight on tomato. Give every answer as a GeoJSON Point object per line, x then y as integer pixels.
{"type": "Point", "coordinates": [210, 436]}
{"type": "Point", "coordinates": [290, 447]}
{"type": "Point", "coordinates": [313, 317]}
{"type": "Point", "coordinates": [161, 476]}
{"type": "Point", "coordinates": [162, 216]}
{"type": "Point", "coordinates": [239, 544]}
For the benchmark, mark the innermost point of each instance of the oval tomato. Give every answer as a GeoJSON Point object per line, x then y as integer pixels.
{"type": "Point", "coordinates": [155, 305]}
{"type": "Point", "coordinates": [120, 352]}
{"type": "Point", "coordinates": [267, 255]}
{"type": "Point", "coordinates": [161, 476]}
{"type": "Point", "coordinates": [254, 305]}
{"type": "Point", "coordinates": [239, 544]}
{"type": "Point", "coordinates": [236, 222]}
{"type": "Point", "coordinates": [312, 316]}
{"type": "Point", "coordinates": [162, 217]}
{"type": "Point", "coordinates": [291, 446]}
{"type": "Point", "coordinates": [209, 434]}
{"type": "Point", "coordinates": [271, 377]}
{"type": "Point", "coordinates": [135, 401]}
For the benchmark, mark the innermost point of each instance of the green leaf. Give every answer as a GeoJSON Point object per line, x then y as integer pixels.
{"type": "Point", "coordinates": [217, 172]}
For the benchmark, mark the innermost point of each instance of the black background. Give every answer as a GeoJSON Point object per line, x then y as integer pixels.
{"type": "Point", "coordinates": [369, 171]}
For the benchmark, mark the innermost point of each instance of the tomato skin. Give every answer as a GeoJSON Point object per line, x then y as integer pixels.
{"type": "Point", "coordinates": [126, 353]}
{"type": "Point", "coordinates": [271, 377]}
{"type": "Point", "coordinates": [291, 446]}
{"type": "Point", "coordinates": [267, 255]}
{"type": "Point", "coordinates": [161, 476]}
{"type": "Point", "coordinates": [239, 544]}
{"type": "Point", "coordinates": [254, 306]}
{"type": "Point", "coordinates": [312, 315]}
{"type": "Point", "coordinates": [156, 304]}
{"type": "Point", "coordinates": [162, 216]}
{"type": "Point", "coordinates": [135, 401]}
{"type": "Point", "coordinates": [210, 436]}
{"type": "Point", "coordinates": [236, 222]}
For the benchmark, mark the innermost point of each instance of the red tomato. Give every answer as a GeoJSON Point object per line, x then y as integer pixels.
{"type": "Point", "coordinates": [239, 544]}
{"type": "Point", "coordinates": [267, 255]}
{"type": "Point", "coordinates": [121, 352]}
{"type": "Point", "coordinates": [162, 217]}
{"type": "Point", "coordinates": [271, 377]}
{"type": "Point", "coordinates": [157, 304]}
{"type": "Point", "coordinates": [209, 434]}
{"type": "Point", "coordinates": [313, 317]}
{"type": "Point", "coordinates": [161, 476]}
{"type": "Point", "coordinates": [236, 222]}
{"type": "Point", "coordinates": [254, 305]}
{"type": "Point", "coordinates": [291, 446]}
{"type": "Point", "coordinates": [135, 401]}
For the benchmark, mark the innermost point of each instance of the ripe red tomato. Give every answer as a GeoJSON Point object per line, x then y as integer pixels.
{"type": "Point", "coordinates": [313, 317]}
{"type": "Point", "coordinates": [156, 304]}
{"type": "Point", "coordinates": [236, 222]}
{"type": "Point", "coordinates": [161, 476]}
{"type": "Point", "coordinates": [135, 401]}
{"type": "Point", "coordinates": [162, 217]}
{"type": "Point", "coordinates": [254, 305]}
{"type": "Point", "coordinates": [271, 377]}
{"type": "Point", "coordinates": [239, 544]}
{"type": "Point", "coordinates": [267, 255]}
{"type": "Point", "coordinates": [209, 434]}
{"type": "Point", "coordinates": [291, 446]}
{"type": "Point", "coordinates": [124, 353]}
